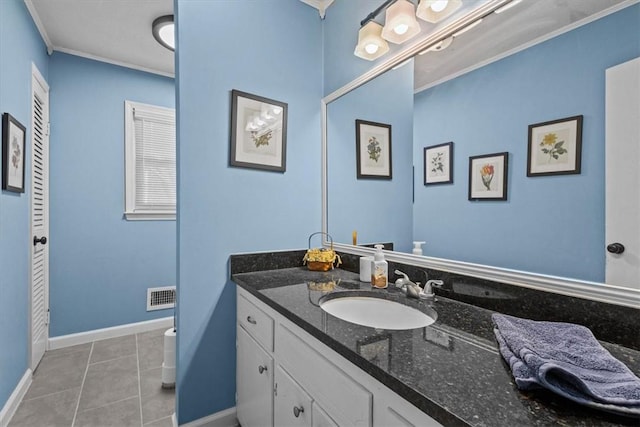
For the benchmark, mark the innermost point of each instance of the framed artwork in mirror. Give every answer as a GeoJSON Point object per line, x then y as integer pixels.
{"type": "Point", "coordinates": [488, 176]}
{"type": "Point", "coordinates": [13, 152]}
{"type": "Point", "coordinates": [373, 150]}
{"type": "Point", "coordinates": [555, 147]}
{"type": "Point", "coordinates": [438, 164]}
{"type": "Point", "coordinates": [376, 349]}
{"type": "Point", "coordinates": [258, 132]}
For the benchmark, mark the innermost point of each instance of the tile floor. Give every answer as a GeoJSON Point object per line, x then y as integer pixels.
{"type": "Point", "coordinates": [114, 382]}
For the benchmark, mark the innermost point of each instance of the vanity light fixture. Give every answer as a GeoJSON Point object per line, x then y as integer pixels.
{"type": "Point", "coordinates": [436, 10]}
{"type": "Point", "coordinates": [371, 45]}
{"type": "Point", "coordinates": [164, 31]}
{"type": "Point", "coordinates": [400, 22]}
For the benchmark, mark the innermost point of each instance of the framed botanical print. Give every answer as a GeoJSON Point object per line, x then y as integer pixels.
{"type": "Point", "coordinates": [488, 176]}
{"type": "Point", "coordinates": [555, 147]}
{"type": "Point", "coordinates": [438, 164]}
{"type": "Point", "coordinates": [258, 132]}
{"type": "Point", "coordinates": [373, 150]}
{"type": "Point", "coordinates": [13, 152]}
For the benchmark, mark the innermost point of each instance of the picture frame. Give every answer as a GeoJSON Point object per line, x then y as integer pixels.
{"type": "Point", "coordinates": [376, 349]}
{"type": "Point", "coordinates": [258, 132]}
{"type": "Point", "coordinates": [13, 154]}
{"type": "Point", "coordinates": [373, 150]}
{"type": "Point", "coordinates": [488, 176]}
{"type": "Point", "coordinates": [555, 147]}
{"type": "Point", "coordinates": [438, 164]}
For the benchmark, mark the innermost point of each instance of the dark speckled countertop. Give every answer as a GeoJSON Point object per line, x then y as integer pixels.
{"type": "Point", "coordinates": [451, 370]}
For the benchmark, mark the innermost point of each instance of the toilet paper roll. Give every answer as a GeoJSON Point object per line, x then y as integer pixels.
{"type": "Point", "coordinates": [169, 363]}
{"type": "Point", "coordinates": [365, 268]}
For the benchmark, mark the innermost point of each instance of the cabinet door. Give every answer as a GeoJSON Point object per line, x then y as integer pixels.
{"type": "Point", "coordinates": [292, 406]}
{"type": "Point", "coordinates": [319, 418]}
{"type": "Point", "coordinates": [254, 377]}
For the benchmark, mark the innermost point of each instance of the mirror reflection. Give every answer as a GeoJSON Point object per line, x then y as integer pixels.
{"type": "Point", "coordinates": [551, 225]}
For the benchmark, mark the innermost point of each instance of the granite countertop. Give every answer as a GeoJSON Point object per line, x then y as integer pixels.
{"type": "Point", "coordinates": [451, 370]}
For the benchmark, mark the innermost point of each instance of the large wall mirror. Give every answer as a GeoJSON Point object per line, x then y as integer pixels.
{"type": "Point", "coordinates": [540, 61]}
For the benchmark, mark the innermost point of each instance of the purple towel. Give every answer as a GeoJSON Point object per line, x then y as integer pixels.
{"type": "Point", "coordinates": [568, 360]}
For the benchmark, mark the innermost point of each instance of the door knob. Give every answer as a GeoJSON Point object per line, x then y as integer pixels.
{"type": "Point", "coordinates": [37, 240]}
{"type": "Point", "coordinates": [615, 248]}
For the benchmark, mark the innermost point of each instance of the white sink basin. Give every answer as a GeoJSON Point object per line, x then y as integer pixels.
{"type": "Point", "coordinates": [377, 313]}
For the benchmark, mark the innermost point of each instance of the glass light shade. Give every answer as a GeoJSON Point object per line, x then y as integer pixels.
{"type": "Point", "coordinates": [433, 11]}
{"type": "Point", "coordinates": [371, 45]}
{"type": "Point", "coordinates": [400, 22]}
{"type": "Point", "coordinates": [163, 30]}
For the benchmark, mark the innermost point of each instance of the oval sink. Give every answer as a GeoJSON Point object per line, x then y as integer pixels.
{"type": "Point", "coordinates": [377, 312]}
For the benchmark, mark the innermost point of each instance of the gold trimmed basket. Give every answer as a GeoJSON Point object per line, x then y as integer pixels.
{"type": "Point", "coordinates": [321, 259]}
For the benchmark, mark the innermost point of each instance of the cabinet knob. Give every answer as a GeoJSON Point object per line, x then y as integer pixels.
{"type": "Point", "coordinates": [615, 248]}
{"type": "Point", "coordinates": [262, 369]}
{"type": "Point", "coordinates": [251, 320]}
{"type": "Point", "coordinates": [297, 410]}
{"type": "Point", "coordinates": [42, 240]}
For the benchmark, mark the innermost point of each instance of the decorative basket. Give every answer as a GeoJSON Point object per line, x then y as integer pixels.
{"type": "Point", "coordinates": [321, 259]}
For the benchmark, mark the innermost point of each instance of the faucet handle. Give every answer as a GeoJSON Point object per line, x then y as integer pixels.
{"type": "Point", "coordinates": [403, 281]}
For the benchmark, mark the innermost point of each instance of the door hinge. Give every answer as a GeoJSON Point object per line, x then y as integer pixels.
{"type": "Point", "coordinates": [48, 128]}
{"type": "Point", "coordinates": [48, 321]}
{"type": "Point", "coordinates": [275, 389]}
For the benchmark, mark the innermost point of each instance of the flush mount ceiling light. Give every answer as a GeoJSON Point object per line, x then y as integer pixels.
{"type": "Point", "coordinates": [164, 31]}
{"type": "Point", "coordinates": [436, 10]}
{"type": "Point", "coordinates": [371, 45]}
{"type": "Point", "coordinates": [400, 22]}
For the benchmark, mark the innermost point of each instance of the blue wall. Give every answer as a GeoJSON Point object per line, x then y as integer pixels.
{"type": "Point", "coordinates": [20, 45]}
{"type": "Point", "coordinates": [269, 48]}
{"type": "Point", "coordinates": [552, 225]}
{"type": "Point", "coordinates": [100, 264]}
{"type": "Point", "coordinates": [380, 210]}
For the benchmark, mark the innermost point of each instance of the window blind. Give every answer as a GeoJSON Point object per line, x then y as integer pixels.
{"type": "Point", "coordinates": [150, 162]}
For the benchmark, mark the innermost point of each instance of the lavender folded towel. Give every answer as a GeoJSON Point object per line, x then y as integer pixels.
{"type": "Point", "coordinates": [568, 360]}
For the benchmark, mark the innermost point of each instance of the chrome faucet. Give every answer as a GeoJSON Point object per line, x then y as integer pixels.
{"type": "Point", "coordinates": [411, 289]}
{"type": "Point", "coordinates": [428, 288]}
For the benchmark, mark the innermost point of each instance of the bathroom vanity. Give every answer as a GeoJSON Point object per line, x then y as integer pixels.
{"type": "Point", "coordinates": [298, 365]}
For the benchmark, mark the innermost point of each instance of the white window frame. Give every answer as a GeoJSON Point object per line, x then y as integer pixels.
{"type": "Point", "coordinates": [131, 211]}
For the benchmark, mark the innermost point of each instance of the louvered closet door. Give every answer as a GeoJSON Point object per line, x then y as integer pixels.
{"type": "Point", "coordinates": [39, 218]}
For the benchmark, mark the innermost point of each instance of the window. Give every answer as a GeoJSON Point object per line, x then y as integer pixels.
{"type": "Point", "coordinates": [150, 162]}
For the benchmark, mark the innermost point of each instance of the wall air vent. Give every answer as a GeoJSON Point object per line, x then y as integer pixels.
{"type": "Point", "coordinates": [161, 298]}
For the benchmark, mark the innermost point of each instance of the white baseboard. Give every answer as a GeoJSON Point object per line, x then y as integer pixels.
{"type": "Point", "coordinates": [16, 397]}
{"type": "Point", "coordinates": [226, 418]}
{"type": "Point", "coordinates": [113, 332]}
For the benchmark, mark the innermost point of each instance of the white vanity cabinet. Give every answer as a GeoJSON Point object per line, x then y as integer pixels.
{"type": "Point", "coordinates": [306, 383]}
{"type": "Point", "coordinates": [292, 405]}
{"type": "Point", "coordinates": [255, 367]}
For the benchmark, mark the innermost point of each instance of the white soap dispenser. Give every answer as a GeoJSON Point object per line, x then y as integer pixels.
{"type": "Point", "coordinates": [379, 269]}
{"type": "Point", "coordinates": [417, 248]}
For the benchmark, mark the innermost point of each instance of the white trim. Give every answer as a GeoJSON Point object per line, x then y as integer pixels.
{"type": "Point", "coordinates": [530, 43]}
{"type": "Point", "coordinates": [149, 216]}
{"type": "Point", "coordinates": [9, 409]}
{"type": "Point", "coordinates": [594, 291]}
{"type": "Point", "coordinates": [226, 418]}
{"type": "Point", "coordinates": [321, 5]}
{"type": "Point", "coordinates": [174, 420]}
{"type": "Point", "coordinates": [112, 332]}
{"type": "Point", "coordinates": [39, 25]}
{"type": "Point", "coordinates": [113, 62]}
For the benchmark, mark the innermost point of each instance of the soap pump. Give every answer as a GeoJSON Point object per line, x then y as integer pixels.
{"type": "Point", "coordinates": [417, 248]}
{"type": "Point", "coordinates": [379, 269]}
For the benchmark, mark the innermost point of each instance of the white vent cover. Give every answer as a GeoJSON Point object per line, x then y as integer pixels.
{"type": "Point", "coordinates": [161, 298]}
